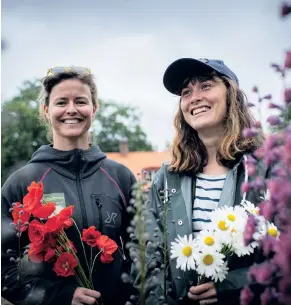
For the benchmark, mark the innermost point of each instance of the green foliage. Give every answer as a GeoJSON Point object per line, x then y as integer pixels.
{"type": "Point", "coordinates": [116, 122]}
{"type": "Point", "coordinates": [22, 133]}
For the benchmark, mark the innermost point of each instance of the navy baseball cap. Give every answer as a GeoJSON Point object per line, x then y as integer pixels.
{"type": "Point", "coordinates": [183, 68]}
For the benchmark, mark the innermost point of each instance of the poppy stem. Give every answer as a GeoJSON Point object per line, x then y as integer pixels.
{"type": "Point", "coordinates": [82, 244]}
{"type": "Point", "coordinates": [91, 270]}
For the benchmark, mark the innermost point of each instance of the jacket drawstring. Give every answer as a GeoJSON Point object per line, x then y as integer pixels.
{"type": "Point", "coordinates": [246, 177]}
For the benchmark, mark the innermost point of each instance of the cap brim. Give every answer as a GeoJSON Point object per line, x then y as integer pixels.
{"type": "Point", "coordinates": [181, 69]}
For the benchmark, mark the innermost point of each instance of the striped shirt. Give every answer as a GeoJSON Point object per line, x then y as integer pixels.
{"type": "Point", "coordinates": [208, 191]}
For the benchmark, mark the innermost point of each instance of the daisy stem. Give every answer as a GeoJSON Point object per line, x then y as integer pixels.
{"type": "Point", "coordinates": [200, 280]}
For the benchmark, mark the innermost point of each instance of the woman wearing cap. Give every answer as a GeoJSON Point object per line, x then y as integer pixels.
{"type": "Point", "coordinates": [73, 172]}
{"type": "Point", "coordinates": [206, 171]}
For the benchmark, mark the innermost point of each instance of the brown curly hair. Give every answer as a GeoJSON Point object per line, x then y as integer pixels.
{"type": "Point", "coordinates": [189, 155]}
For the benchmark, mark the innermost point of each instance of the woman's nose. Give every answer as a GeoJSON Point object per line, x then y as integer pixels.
{"type": "Point", "coordinates": [71, 109]}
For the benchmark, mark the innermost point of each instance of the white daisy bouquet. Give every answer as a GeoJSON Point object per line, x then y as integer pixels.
{"type": "Point", "coordinates": [221, 238]}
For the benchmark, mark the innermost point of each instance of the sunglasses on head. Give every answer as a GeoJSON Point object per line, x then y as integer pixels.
{"type": "Point", "coordinates": [56, 70]}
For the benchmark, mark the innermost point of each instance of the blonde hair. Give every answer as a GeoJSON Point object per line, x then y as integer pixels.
{"type": "Point", "coordinates": [49, 82]}
{"type": "Point", "coordinates": [188, 151]}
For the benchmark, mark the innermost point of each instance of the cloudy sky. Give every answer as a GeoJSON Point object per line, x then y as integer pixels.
{"type": "Point", "coordinates": [129, 43]}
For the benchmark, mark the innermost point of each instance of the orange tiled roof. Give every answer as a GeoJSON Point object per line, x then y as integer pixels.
{"type": "Point", "coordinates": [138, 160]}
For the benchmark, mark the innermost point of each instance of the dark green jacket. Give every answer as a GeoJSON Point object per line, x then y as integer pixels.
{"type": "Point", "coordinates": [179, 222]}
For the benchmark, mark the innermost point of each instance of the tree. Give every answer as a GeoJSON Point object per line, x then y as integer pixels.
{"type": "Point", "coordinates": [116, 122]}
{"type": "Point", "coordinates": [22, 133]}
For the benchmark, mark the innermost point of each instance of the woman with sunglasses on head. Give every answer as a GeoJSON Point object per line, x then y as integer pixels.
{"type": "Point", "coordinates": [73, 172]}
{"type": "Point", "coordinates": [206, 171]}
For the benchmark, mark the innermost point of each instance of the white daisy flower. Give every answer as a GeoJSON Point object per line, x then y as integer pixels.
{"type": "Point", "coordinates": [238, 245]}
{"type": "Point", "coordinates": [236, 218]}
{"type": "Point", "coordinates": [184, 250]}
{"type": "Point", "coordinates": [272, 230]}
{"type": "Point", "coordinates": [250, 207]}
{"type": "Point", "coordinates": [221, 275]}
{"type": "Point", "coordinates": [208, 239]}
{"type": "Point", "coordinates": [220, 224]}
{"type": "Point", "coordinates": [210, 263]}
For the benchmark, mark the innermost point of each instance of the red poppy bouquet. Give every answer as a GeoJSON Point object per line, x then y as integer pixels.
{"type": "Point", "coordinates": [46, 226]}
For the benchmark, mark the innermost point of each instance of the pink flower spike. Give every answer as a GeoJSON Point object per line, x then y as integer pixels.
{"type": "Point", "coordinates": [267, 97]}
{"type": "Point", "coordinates": [250, 132]}
{"type": "Point", "coordinates": [274, 120]}
{"type": "Point", "coordinates": [285, 9]}
{"type": "Point", "coordinates": [287, 64]}
{"type": "Point", "coordinates": [287, 96]}
{"type": "Point", "coordinates": [246, 296]}
{"type": "Point", "coordinates": [276, 106]}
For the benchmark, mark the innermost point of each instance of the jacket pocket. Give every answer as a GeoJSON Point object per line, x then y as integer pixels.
{"type": "Point", "coordinates": [107, 215]}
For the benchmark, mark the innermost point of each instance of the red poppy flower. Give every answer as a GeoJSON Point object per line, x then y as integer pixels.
{"type": "Point", "coordinates": [66, 212]}
{"type": "Point", "coordinates": [50, 254]}
{"type": "Point", "coordinates": [32, 200]}
{"type": "Point", "coordinates": [53, 225]}
{"type": "Point", "coordinates": [36, 232]}
{"type": "Point", "coordinates": [36, 253]}
{"type": "Point", "coordinates": [50, 240]}
{"type": "Point", "coordinates": [60, 221]}
{"type": "Point", "coordinates": [65, 264]}
{"type": "Point", "coordinates": [106, 258]}
{"type": "Point", "coordinates": [20, 214]}
{"type": "Point", "coordinates": [108, 247]}
{"type": "Point", "coordinates": [90, 236]}
{"type": "Point", "coordinates": [44, 211]}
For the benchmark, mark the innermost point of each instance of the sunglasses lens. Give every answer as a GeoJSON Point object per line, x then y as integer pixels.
{"type": "Point", "coordinates": [56, 70]}
{"type": "Point", "coordinates": [80, 70]}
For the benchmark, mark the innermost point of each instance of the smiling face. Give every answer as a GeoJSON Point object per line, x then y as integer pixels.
{"type": "Point", "coordinates": [70, 112]}
{"type": "Point", "coordinates": [204, 104]}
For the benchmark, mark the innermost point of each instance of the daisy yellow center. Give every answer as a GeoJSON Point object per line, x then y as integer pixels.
{"type": "Point", "coordinates": [231, 217]}
{"type": "Point", "coordinates": [233, 230]}
{"type": "Point", "coordinates": [208, 259]}
{"type": "Point", "coordinates": [209, 241]}
{"type": "Point", "coordinates": [187, 251]}
{"type": "Point", "coordinates": [254, 211]}
{"type": "Point", "coordinates": [222, 225]}
{"type": "Point", "coordinates": [273, 232]}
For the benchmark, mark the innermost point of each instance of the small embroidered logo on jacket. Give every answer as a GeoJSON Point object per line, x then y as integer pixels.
{"type": "Point", "coordinates": [111, 218]}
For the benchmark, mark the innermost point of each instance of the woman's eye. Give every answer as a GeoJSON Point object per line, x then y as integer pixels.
{"type": "Point", "coordinates": [81, 102]}
{"type": "Point", "coordinates": [60, 103]}
{"type": "Point", "coordinates": [186, 92]}
{"type": "Point", "coordinates": [205, 86]}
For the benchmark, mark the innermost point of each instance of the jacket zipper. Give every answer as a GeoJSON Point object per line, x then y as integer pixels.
{"type": "Point", "coordinates": [100, 220]}
{"type": "Point", "coordinates": [80, 193]}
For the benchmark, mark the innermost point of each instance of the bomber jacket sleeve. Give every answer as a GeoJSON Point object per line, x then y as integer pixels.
{"type": "Point", "coordinates": [18, 286]}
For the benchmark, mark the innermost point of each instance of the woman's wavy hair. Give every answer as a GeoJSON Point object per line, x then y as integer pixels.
{"type": "Point", "coordinates": [189, 154]}
{"type": "Point", "coordinates": [49, 82]}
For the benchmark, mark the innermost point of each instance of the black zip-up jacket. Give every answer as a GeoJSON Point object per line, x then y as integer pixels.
{"type": "Point", "coordinates": [100, 190]}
